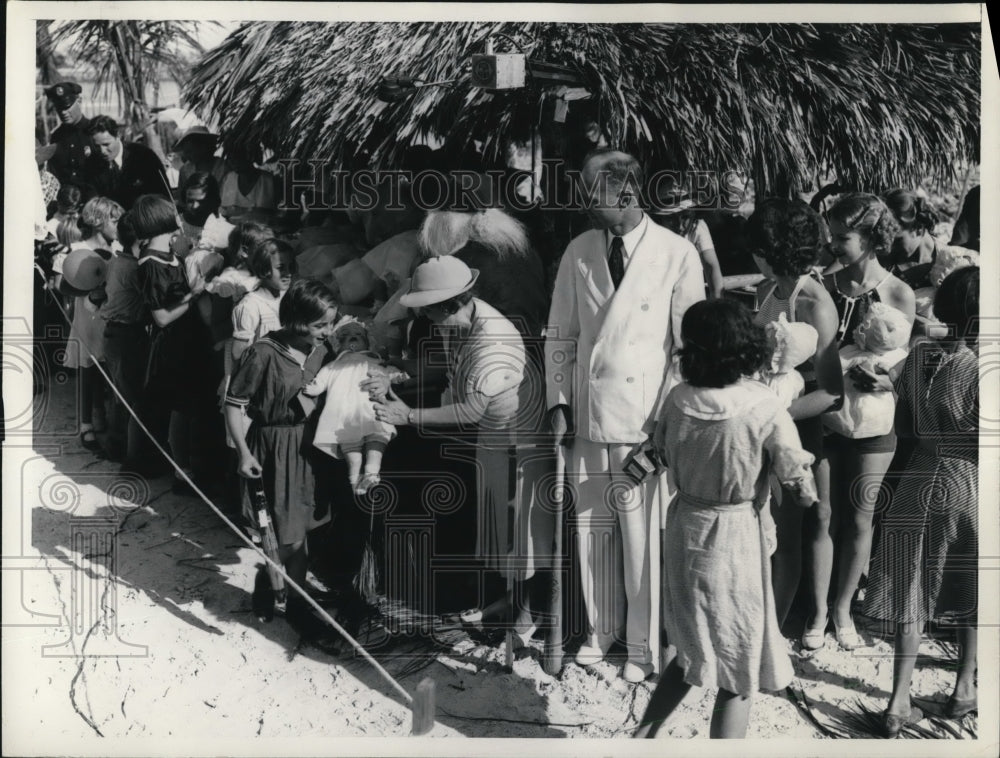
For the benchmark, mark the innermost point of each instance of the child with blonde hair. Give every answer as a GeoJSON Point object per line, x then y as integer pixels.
{"type": "Point", "coordinates": [85, 349]}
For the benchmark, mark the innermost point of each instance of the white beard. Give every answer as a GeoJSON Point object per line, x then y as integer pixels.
{"type": "Point", "coordinates": [446, 232]}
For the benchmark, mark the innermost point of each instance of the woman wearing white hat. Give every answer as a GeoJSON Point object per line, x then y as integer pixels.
{"type": "Point", "coordinates": [486, 390]}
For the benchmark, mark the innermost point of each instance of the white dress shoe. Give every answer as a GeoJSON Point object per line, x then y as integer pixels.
{"type": "Point", "coordinates": [636, 672]}
{"type": "Point", "coordinates": [589, 655]}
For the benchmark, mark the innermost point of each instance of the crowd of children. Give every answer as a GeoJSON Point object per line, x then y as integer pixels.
{"type": "Point", "coordinates": [788, 425]}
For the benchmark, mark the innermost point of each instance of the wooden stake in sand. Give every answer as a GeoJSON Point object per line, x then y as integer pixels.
{"type": "Point", "coordinates": [552, 658]}
{"type": "Point", "coordinates": [423, 708]}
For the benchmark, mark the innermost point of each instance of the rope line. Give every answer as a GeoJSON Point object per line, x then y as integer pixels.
{"type": "Point", "coordinates": [236, 530]}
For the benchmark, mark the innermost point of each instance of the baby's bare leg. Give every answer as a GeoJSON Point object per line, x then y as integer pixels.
{"type": "Point", "coordinates": [374, 447]}
{"type": "Point", "coordinates": [373, 456]}
{"type": "Point", "coordinates": [354, 459]}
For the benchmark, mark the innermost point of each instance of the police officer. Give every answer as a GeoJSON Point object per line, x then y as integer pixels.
{"type": "Point", "coordinates": [73, 162]}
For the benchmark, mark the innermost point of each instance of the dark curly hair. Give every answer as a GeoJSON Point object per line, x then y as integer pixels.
{"type": "Point", "coordinates": [870, 217]}
{"type": "Point", "coordinates": [721, 343]}
{"type": "Point", "coordinates": [911, 211]}
{"type": "Point", "coordinates": [788, 234]}
{"type": "Point", "coordinates": [956, 302]}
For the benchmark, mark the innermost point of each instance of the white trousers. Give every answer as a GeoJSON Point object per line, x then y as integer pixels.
{"type": "Point", "coordinates": [617, 540]}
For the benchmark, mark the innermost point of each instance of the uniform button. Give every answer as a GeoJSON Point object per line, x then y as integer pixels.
{"type": "Point", "coordinates": [630, 379]}
{"type": "Point", "coordinates": [645, 306]}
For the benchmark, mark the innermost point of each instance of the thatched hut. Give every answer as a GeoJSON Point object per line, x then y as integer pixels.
{"type": "Point", "coordinates": [878, 105]}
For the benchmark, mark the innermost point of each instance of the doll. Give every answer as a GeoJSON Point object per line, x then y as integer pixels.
{"type": "Point", "coordinates": [794, 343]}
{"type": "Point", "coordinates": [880, 342]}
{"type": "Point", "coordinates": [347, 425]}
{"type": "Point", "coordinates": [948, 259]}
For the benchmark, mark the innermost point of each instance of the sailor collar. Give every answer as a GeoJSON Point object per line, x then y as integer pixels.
{"type": "Point", "coordinates": [165, 259]}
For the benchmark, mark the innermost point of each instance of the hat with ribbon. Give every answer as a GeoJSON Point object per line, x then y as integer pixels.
{"type": "Point", "coordinates": [438, 279]}
{"type": "Point", "coordinates": [63, 94]}
{"type": "Point", "coordinates": [83, 271]}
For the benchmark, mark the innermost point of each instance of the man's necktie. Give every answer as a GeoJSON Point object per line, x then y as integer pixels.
{"type": "Point", "coordinates": [616, 261]}
{"type": "Point", "coordinates": [115, 177]}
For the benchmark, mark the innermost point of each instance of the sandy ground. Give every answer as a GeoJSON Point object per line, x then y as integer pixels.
{"type": "Point", "coordinates": [149, 633]}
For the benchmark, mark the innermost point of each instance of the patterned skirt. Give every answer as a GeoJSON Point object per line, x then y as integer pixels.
{"type": "Point", "coordinates": [926, 562]}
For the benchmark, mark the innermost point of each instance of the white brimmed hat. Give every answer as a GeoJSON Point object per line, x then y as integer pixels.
{"type": "Point", "coordinates": [438, 279]}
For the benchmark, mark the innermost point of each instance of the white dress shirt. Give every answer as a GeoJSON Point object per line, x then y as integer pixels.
{"type": "Point", "coordinates": [630, 240]}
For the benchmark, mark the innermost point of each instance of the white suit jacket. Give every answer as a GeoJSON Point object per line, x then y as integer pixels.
{"type": "Point", "coordinates": [608, 354]}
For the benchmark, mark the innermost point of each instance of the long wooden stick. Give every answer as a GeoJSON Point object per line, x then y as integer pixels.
{"type": "Point", "coordinates": [552, 659]}
{"type": "Point", "coordinates": [241, 536]}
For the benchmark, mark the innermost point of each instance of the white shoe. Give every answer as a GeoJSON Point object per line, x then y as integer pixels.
{"type": "Point", "coordinates": [589, 655]}
{"type": "Point", "coordinates": [636, 672]}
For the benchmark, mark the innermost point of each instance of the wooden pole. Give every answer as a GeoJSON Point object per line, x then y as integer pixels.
{"type": "Point", "coordinates": [962, 194]}
{"type": "Point", "coordinates": [508, 658]}
{"type": "Point", "coordinates": [423, 708]}
{"type": "Point", "coordinates": [552, 658]}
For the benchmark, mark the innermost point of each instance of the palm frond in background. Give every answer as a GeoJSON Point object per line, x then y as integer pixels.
{"type": "Point", "coordinates": [128, 56]}
{"type": "Point", "coordinates": [878, 105]}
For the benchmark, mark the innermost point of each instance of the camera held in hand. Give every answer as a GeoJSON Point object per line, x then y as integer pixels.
{"type": "Point", "coordinates": [642, 463]}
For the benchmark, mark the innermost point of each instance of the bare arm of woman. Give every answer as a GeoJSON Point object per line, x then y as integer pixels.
{"type": "Point", "coordinates": [902, 298]}
{"type": "Point", "coordinates": [392, 410]}
{"type": "Point", "coordinates": [821, 314]}
{"type": "Point", "coordinates": [469, 412]}
{"type": "Point", "coordinates": [713, 272]}
{"type": "Point", "coordinates": [165, 316]}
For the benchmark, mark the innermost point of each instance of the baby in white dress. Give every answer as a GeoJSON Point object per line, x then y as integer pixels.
{"type": "Point", "coordinates": [347, 425]}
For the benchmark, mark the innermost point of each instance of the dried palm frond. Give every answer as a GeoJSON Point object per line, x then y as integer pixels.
{"type": "Point", "coordinates": [881, 105]}
{"type": "Point", "coordinates": [864, 721]}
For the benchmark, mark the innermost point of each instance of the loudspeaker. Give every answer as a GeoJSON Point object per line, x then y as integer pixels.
{"type": "Point", "coordinates": [496, 72]}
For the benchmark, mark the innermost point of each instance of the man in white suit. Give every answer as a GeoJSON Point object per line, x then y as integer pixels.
{"type": "Point", "coordinates": [615, 320]}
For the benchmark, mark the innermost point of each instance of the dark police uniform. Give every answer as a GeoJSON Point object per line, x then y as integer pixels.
{"type": "Point", "coordinates": [73, 162]}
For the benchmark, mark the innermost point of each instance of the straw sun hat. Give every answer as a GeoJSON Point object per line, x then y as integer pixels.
{"type": "Point", "coordinates": [437, 280]}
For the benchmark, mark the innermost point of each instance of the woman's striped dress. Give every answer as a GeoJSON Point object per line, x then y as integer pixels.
{"type": "Point", "coordinates": [926, 561]}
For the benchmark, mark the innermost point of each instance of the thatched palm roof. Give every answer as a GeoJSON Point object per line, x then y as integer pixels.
{"type": "Point", "coordinates": [881, 105]}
